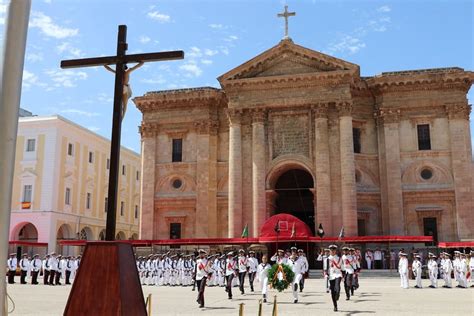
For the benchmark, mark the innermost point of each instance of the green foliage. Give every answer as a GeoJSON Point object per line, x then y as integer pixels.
{"type": "Point", "coordinates": [277, 284]}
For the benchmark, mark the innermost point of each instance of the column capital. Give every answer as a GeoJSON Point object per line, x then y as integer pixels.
{"type": "Point", "coordinates": [258, 115]}
{"type": "Point", "coordinates": [386, 116]}
{"type": "Point", "coordinates": [320, 110]}
{"type": "Point", "coordinates": [344, 108]}
{"type": "Point", "coordinates": [148, 130]}
{"type": "Point", "coordinates": [234, 116]}
{"type": "Point", "coordinates": [205, 127]}
{"type": "Point", "coordinates": [458, 110]}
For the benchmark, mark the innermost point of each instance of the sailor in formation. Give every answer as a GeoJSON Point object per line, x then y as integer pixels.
{"type": "Point", "coordinates": [262, 274]}
{"type": "Point", "coordinates": [403, 269]}
{"type": "Point", "coordinates": [252, 267]}
{"type": "Point", "coordinates": [297, 265]}
{"type": "Point", "coordinates": [416, 269]}
{"type": "Point", "coordinates": [446, 269]}
{"type": "Point", "coordinates": [279, 257]}
{"type": "Point", "coordinates": [231, 271]}
{"type": "Point", "coordinates": [325, 259]}
{"type": "Point", "coordinates": [35, 266]}
{"type": "Point", "coordinates": [24, 268]}
{"type": "Point", "coordinates": [348, 269]}
{"type": "Point", "coordinates": [11, 267]}
{"type": "Point", "coordinates": [302, 255]}
{"type": "Point", "coordinates": [243, 265]}
{"type": "Point", "coordinates": [471, 266]}
{"type": "Point", "coordinates": [432, 266]}
{"type": "Point", "coordinates": [202, 273]}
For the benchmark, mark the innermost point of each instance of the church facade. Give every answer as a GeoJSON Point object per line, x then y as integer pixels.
{"type": "Point", "coordinates": [300, 132]}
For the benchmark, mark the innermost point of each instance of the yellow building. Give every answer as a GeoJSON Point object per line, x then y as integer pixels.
{"type": "Point", "coordinates": [60, 185]}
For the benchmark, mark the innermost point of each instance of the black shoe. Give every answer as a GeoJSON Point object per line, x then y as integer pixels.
{"type": "Point", "coordinates": [335, 309]}
{"type": "Point", "coordinates": [295, 301]}
{"type": "Point", "coordinates": [416, 286]}
{"type": "Point", "coordinates": [327, 291]}
{"type": "Point", "coordinates": [230, 297]}
{"type": "Point", "coordinates": [242, 292]}
{"type": "Point", "coordinates": [347, 298]}
{"type": "Point", "coordinates": [301, 290]}
{"type": "Point", "coordinates": [264, 300]}
{"type": "Point", "coordinates": [201, 306]}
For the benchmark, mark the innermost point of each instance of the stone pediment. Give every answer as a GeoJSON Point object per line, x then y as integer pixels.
{"type": "Point", "coordinates": [285, 59]}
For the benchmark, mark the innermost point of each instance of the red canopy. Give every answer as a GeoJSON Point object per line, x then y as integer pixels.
{"type": "Point", "coordinates": [290, 229]}
{"type": "Point", "coordinates": [28, 243]}
{"type": "Point", "coordinates": [460, 244]}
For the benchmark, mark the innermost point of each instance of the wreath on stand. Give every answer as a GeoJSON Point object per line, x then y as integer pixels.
{"type": "Point", "coordinates": [280, 276]}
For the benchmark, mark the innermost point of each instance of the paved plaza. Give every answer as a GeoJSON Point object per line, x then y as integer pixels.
{"type": "Point", "coordinates": [376, 296]}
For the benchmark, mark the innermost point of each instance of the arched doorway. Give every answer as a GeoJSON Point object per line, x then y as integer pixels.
{"type": "Point", "coordinates": [24, 232]}
{"type": "Point", "coordinates": [294, 196]}
{"type": "Point", "coordinates": [102, 234]}
{"type": "Point", "coordinates": [64, 233]}
{"type": "Point", "coordinates": [120, 236]}
{"type": "Point", "coordinates": [134, 236]}
{"type": "Point", "coordinates": [86, 234]}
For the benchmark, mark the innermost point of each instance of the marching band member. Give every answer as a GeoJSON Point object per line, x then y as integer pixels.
{"type": "Point", "coordinates": [334, 274]}
{"type": "Point", "coordinates": [253, 264]}
{"type": "Point", "coordinates": [202, 273]}
{"type": "Point", "coordinates": [243, 266]}
{"type": "Point", "coordinates": [230, 272]}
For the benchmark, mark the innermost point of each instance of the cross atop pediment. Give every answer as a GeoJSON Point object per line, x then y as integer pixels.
{"type": "Point", "coordinates": [286, 15]}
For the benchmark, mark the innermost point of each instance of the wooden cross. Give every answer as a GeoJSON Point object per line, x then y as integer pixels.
{"type": "Point", "coordinates": [120, 61]}
{"type": "Point", "coordinates": [285, 15]}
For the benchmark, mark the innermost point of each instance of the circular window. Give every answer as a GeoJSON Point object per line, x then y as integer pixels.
{"type": "Point", "coordinates": [426, 174]}
{"type": "Point", "coordinates": [177, 183]}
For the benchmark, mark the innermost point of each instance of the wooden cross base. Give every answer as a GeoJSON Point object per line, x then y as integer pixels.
{"type": "Point", "coordinates": [107, 282]}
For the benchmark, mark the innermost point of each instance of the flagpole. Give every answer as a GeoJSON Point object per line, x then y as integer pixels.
{"type": "Point", "coordinates": [12, 61]}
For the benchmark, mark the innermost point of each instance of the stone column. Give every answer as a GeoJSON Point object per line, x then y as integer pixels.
{"type": "Point", "coordinates": [149, 146]}
{"type": "Point", "coordinates": [258, 171]}
{"type": "Point", "coordinates": [201, 224]}
{"type": "Point", "coordinates": [323, 180]}
{"type": "Point", "coordinates": [348, 186]}
{"type": "Point", "coordinates": [235, 174]}
{"type": "Point", "coordinates": [393, 177]}
{"type": "Point", "coordinates": [459, 134]}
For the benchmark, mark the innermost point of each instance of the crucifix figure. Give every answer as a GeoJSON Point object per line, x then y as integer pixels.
{"type": "Point", "coordinates": [122, 94]}
{"type": "Point", "coordinates": [127, 91]}
{"type": "Point", "coordinates": [285, 15]}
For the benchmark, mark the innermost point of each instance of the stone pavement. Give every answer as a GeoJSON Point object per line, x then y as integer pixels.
{"type": "Point", "coordinates": [382, 296]}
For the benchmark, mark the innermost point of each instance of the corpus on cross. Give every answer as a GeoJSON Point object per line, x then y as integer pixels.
{"type": "Point", "coordinates": [286, 15]}
{"type": "Point", "coordinates": [122, 93]}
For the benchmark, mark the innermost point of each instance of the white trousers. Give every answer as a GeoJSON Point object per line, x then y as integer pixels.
{"type": "Point", "coordinates": [264, 283]}
{"type": "Point", "coordinates": [404, 280]}
{"type": "Point", "coordinates": [434, 278]}
{"type": "Point", "coordinates": [447, 279]}
{"type": "Point", "coordinates": [296, 281]}
{"type": "Point", "coordinates": [369, 264]}
{"type": "Point", "coordinates": [418, 280]}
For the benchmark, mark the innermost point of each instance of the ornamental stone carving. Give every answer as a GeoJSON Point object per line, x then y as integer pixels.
{"type": "Point", "coordinates": [148, 130]}
{"type": "Point", "coordinates": [209, 127]}
{"type": "Point", "coordinates": [258, 115]}
{"type": "Point", "coordinates": [387, 116]}
{"type": "Point", "coordinates": [320, 110]}
{"type": "Point", "coordinates": [344, 108]}
{"type": "Point", "coordinates": [234, 116]}
{"type": "Point", "coordinates": [458, 110]}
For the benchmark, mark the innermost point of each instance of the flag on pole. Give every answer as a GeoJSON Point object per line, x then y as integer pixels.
{"type": "Point", "coordinates": [293, 230]}
{"type": "Point", "coordinates": [245, 232]}
{"type": "Point", "coordinates": [341, 233]}
{"type": "Point", "coordinates": [320, 230]}
{"type": "Point", "coordinates": [277, 227]}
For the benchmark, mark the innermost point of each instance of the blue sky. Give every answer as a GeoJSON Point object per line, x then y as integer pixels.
{"type": "Point", "coordinates": [218, 36]}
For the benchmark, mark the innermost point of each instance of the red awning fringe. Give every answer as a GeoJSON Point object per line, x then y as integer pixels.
{"type": "Point", "coordinates": [28, 243]}
{"type": "Point", "coordinates": [460, 244]}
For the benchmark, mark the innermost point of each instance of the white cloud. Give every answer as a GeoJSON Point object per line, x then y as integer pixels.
{"type": "Point", "coordinates": [47, 1]}
{"type": "Point", "coordinates": [29, 79]}
{"type": "Point", "coordinates": [384, 8]}
{"type": "Point", "coordinates": [231, 38]}
{"type": "Point", "coordinates": [194, 52]}
{"type": "Point", "coordinates": [160, 17]}
{"type": "Point", "coordinates": [154, 80]}
{"type": "Point", "coordinates": [224, 50]}
{"type": "Point", "coordinates": [80, 112]}
{"type": "Point", "coordinates": [34, 57]}
{"type": "Point", "coordinates": [144, 39]}
{"type": "Point", "coordinates": [210, 52]}
{"type": "Point", "coordinates": [104, 98]}
{"type": "Point", "coordinates": [216, 26]}
{"type": "Point", "coordinates": [191, 69]}
{"type": "Point", "coordinates": [206, 61]}
{"type": "Point", "coordinates": [66, 78]}
{"type": "Point", "coordinates": [348, 44]}
{"type": "Point", "coordinates": [46, 25]}
{"type": "Point", "coordinates": [69, 49]}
